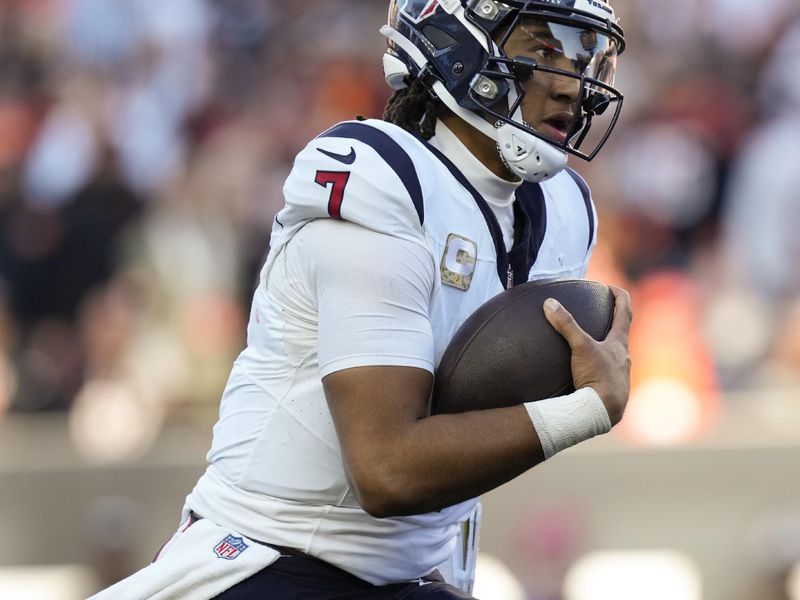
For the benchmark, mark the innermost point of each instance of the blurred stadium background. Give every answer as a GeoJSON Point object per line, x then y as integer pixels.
{"type": "Point", "coordinates": [143, 146]}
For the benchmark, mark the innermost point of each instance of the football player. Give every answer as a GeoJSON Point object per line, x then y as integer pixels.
{"type": "Point", "coordinates": [327, 476]}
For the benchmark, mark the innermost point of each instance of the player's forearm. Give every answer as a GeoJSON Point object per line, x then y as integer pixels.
{"type": "Point", "coordinates": [445, 459]}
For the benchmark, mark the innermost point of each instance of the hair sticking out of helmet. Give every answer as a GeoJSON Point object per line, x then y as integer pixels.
{"type": "Point", "coordinates": [534, 76]}
{"type": "Point", "coordinates": [414, 109]}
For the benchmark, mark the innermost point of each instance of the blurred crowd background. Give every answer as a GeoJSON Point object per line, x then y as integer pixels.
{"type": "Point", "coordinates": [144, 144]}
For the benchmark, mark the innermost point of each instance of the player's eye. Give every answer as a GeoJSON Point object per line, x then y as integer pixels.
{"type": "Point", "coordinates": [546, 52]}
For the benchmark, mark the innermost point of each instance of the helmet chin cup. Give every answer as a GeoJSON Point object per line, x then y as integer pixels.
{"type": "Point", "coordinates": [525, 155]}
{"type": "Point", "coordinates": [528, 157]}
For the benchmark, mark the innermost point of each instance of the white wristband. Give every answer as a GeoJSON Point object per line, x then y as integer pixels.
{"type": "Point", "coordinates": [568, 420]}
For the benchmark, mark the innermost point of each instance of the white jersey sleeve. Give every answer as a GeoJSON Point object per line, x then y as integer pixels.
{"type": "Point", "coordinates": [371, 292]}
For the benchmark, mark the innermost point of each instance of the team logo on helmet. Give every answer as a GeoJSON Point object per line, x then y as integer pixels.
{"type": "Point", "coordinates": [417, 10]}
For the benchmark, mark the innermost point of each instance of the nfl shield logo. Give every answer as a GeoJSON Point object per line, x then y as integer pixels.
{"type": "Point", "coordinates": [230, 547]}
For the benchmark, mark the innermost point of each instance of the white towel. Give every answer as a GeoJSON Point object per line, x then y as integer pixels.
{"type": "Point", "coordinates": [200, 561]}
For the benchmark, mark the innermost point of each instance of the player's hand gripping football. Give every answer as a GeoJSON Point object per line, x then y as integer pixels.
{"type": "Point", "coordinates": [604, 366]}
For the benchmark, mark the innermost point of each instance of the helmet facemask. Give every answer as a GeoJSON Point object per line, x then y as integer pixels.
{"type": "Point", "coordinates": [554, 81]}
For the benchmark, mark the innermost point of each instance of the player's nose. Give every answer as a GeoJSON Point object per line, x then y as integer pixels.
{"type": "Point", "coordinates": [566, 89]}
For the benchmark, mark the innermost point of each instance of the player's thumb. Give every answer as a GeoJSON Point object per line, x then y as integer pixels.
{"type": "Point", "coordinates": [564, 323]}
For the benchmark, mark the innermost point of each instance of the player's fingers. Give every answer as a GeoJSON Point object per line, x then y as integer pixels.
{"type": "Point", "coordinates": [623, 315]}
{"type": "Point", "coordinates": [564, 323]}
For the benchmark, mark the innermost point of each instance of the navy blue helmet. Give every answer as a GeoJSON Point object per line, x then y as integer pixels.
{"type": "Point", "coordinates": [536, 77]}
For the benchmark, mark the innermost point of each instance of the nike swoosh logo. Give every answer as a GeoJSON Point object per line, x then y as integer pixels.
{"type": "Point", "coordinates": [347, 159]}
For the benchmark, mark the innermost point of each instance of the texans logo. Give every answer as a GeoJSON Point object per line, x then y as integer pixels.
{"type": "Point", "coordinates": [416, 10]}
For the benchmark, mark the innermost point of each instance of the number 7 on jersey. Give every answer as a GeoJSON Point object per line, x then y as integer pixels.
{"type": "Point", "coordinates": [337, 180]}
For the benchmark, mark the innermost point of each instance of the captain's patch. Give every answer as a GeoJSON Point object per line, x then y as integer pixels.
{"type": "Point", "coordinates": [458, 262]}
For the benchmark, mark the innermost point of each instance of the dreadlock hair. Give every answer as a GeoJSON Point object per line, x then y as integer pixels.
{"type": "Point", "coordinates": [414, 109]}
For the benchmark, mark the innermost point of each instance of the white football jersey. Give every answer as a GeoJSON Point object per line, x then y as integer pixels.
{"type": "Point", "coordinates": [275, 471]}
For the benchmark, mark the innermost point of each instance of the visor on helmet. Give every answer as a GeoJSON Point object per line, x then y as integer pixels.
{"type": "Point", "coordinates": [559, 79]}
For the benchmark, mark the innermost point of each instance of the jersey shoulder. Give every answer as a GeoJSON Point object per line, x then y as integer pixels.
{"type": "Point", "coordinates": [570, 184]}
{"type": "Point", "coordinates": [365, 172]}
{"type": "Point", "coordinates": [573, 195]}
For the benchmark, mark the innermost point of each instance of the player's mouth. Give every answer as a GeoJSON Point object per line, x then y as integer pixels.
{"type": "Point", "coordinates": [557, 126]}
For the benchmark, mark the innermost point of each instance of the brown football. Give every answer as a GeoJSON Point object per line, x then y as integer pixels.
{"type": "Point", "coordinates": [507, 353]}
